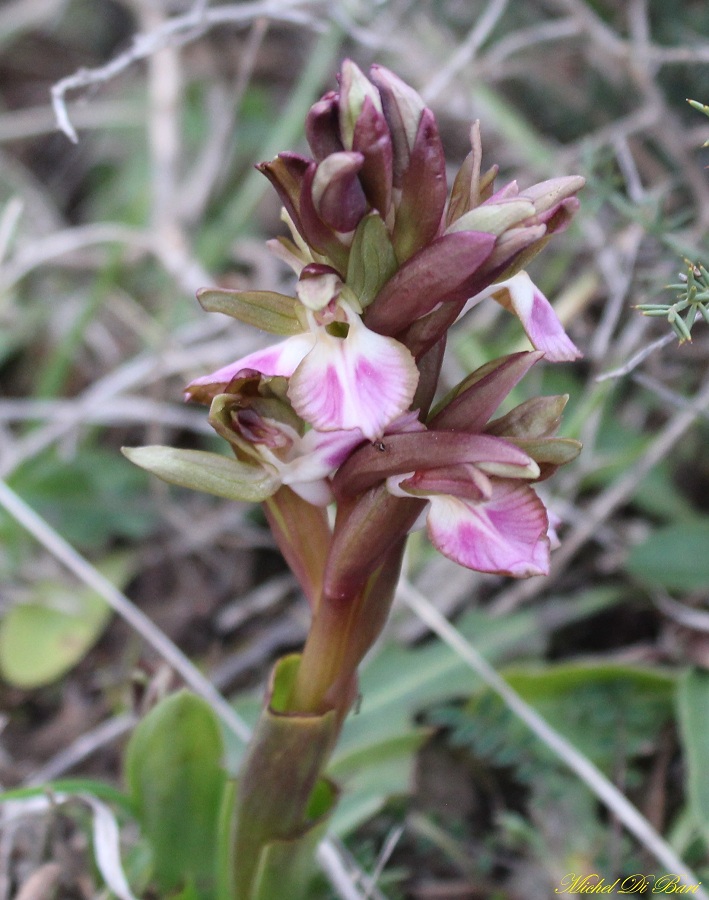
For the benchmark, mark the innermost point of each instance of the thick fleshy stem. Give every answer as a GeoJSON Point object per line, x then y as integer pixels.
{"type": "Point", "coordinates": [281, 800]}
{"type": "Point", "coordinates": [343, 630]}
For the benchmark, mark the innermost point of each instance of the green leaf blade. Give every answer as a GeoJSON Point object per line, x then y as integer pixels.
{"type": "Point", "coordinates": [207, 472]}
{"type": "Point", "coordinates": [693, 713]}
{"type": "Point", "coordinates": [173, 769]}
{"type": "Point", "coordinates": [42, 639]}
{"type": "Point", "coordinates": [267, 310]}
{"type": "Point", "coordinates": [675, 556]}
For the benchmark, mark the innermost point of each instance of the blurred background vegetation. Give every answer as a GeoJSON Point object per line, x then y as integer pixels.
{"type": "Point", "coordinates": [103, 243]}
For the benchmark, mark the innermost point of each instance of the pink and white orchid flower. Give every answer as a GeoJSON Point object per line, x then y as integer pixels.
{"type": "Point", "coordinates": [502, 531]}
{"type": "Point", "coordinates": [522, 297]}
{"type": "Point", "coordinates": [304, 463]}
{"type": "Point", "coordinates": [362, 381]}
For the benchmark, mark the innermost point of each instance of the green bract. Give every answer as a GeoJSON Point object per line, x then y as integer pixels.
{"type": "Point", "coordinates": [208, 472]}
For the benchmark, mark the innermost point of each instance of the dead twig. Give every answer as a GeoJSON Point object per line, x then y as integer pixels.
{"type": "Point", "coordinates": [176, 32]}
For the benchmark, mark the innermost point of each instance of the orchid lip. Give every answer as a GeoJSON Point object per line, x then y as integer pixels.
{"type": "Point", "coordinates": [364, 380]}
{"type": "Point", "coordinates": [505, 535]}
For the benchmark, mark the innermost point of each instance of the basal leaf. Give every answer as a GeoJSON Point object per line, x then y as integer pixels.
{"type": "Point", "coordinates": [693, 710]}
{"type": "Point", "coordinates": [44, 637]}
{"type": "Point", "coordinates": [173, 768]}
{"type": "Point", "coordinates": [674, 557]}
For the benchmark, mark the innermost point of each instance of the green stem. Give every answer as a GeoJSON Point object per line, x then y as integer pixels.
{"type": "Point", "coordinates": [279, 797]}
{"type": "Point", "coordinates": [343, 630]}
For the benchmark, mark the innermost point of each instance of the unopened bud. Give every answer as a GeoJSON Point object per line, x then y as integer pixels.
{"type": "Point", "coordinates": [402, 109]}
{"type": "Point", "coordinates": [355, 87]}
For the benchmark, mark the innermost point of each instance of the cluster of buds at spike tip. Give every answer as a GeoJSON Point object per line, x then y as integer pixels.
{"type": "Point", "coordinates": [693, 301]}
{"type": "Point", "coordinates": [386, 261]}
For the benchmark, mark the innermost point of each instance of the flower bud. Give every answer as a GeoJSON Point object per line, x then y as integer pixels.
{"type": "Point", "coordinates": [322, 126]}
{"type": "Point", "coordinates": [355, 88]}
{"type": "Point", "coordinates": [494, 218]}
{"type": "Point", "coordinates": [538, 417]}
{"type": "Point", "coordinates": [470, 188]}
{"type": "Point", "coordinates": [293, 176]}
{"type": "Point", "coordinates": [337, 194]}
{"type": "Point", "coordinates": [548, 195]}
{"type": "Point", "coordinates": [402, 108]}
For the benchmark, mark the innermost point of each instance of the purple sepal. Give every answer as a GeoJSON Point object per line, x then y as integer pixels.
{"type": "Point", "coordinates": [372, 139]}
{"type": "Point", "coordinates": [322, 126]}
{"type": "Point", "coordinates": [423, 191]}
{"type": "Point", "coordinates": [439, 272]}
{"type": "Point", "coordinates": [481, 393]}
{"type": "Point", "coordinates": [337, 193]}
{"type": "Point", "coordinates": [419, 450]}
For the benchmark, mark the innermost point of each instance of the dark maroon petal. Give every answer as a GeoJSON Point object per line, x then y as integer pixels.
{"type": "Point", "coordinates": [287, 173]}
{"type": "Point", "coordinates": [372, 139]}
{"type": "Point", "coordinates": [511, 247]}
{"type": "Point", "coordinates": [322, 126]}
{"type": "Point", "coordinates": [558, 218]}
{"type": "Point", "coordinates": [397, 454]}
{"type": "Point", "coordinates": [337, 192]}
{"type": "Point", "coordinates": [481, 393]}
{"type": "Point", "coordinates": [402, 109]}
{"type": "Point", "coordinates": [437, 273]}
{"type": "Point", "coordinates": [425, 332]}
{"type": "Point", "coordinates": [429, 367]}
{"type": "Point", "coordinates": [466, 185]}
{"type": "Point", "coordinates": [423, 191]}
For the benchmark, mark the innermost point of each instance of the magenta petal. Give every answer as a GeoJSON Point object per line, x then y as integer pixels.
{"type": "Point", "coordinates": [505, 535]}
{"type": "Point", "coordinates": [279, 359]}
{"type": "Point", "coordinates": [321, 452]}
{"type": "Point", "coordinates": [362, 381]}
{"type": "Point", "coordinates": [521, 296]}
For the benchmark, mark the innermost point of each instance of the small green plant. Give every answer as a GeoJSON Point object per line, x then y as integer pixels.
{"type": "Point", "coordinates": [693, 287]}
